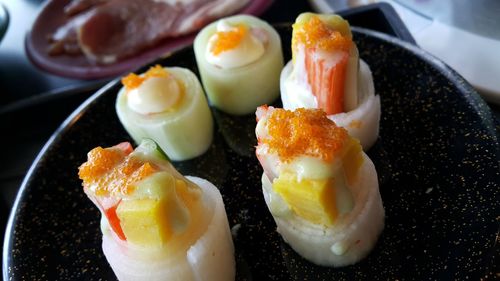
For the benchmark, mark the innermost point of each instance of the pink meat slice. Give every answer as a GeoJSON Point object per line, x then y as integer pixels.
{"type": "Point", "coordinates": [78, 6]}
{"type": "Point", "coordinates": [114, 29]}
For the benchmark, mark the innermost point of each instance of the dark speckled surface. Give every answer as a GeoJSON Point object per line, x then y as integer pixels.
{"type": "Point", "coordinates": [437, 158]}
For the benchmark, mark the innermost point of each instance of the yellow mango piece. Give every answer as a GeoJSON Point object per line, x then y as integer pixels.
{"type": "Point", "coordinates": [313, 200]}
{"type": "Point", "coordinates": [151, 222]}
{"type": "Point", "coordinates": [145, 222]}
{"type": "Point", "coordinates": [352, 160]}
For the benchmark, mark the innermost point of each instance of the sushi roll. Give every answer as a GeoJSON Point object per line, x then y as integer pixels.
{"type": "Point", "coordinates": [240, 60]}
{"type": "Point", "coordinates": [169, 106]}
{"type": "Point", "coordinates": [157, 224]}
{"type": "Point", "coordinates": [319, 185]}
{"type": "Point", "coordinates": [326, 72]}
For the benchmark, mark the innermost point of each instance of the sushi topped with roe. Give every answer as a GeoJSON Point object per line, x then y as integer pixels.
{"type": "Point", "coordinates": [326, 73]}
{"type": "Point", "coordinates": [157, 224]}
{"type": "Point", "coordinates": [167, 105]}
{"type": "Point", "coordinates": [240, 60]}
{"type": "Point", "coordinates": [319, 185]}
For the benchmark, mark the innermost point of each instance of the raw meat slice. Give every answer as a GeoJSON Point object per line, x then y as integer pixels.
{"type": "Point", "coordinates": [113, 29]}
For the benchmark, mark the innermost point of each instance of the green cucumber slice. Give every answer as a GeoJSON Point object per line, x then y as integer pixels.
{"type": "Point", "coordinates": [149, 149]}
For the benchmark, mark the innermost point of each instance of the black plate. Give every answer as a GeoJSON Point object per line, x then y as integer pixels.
{"type": "Point", "coordinates": [437, 159]}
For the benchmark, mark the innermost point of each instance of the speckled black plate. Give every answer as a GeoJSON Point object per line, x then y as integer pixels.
{"type": "Point", "coordinates": [437, 158]}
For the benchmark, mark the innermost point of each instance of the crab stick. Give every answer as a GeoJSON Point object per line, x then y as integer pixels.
{"type": "Point", "coordinates": [326, 73]}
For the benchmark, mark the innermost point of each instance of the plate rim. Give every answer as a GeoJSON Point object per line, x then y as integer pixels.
{"type": "Point", "coordinates": [4, 20]}
{"type": "Point", "coordinates": [471, 96]}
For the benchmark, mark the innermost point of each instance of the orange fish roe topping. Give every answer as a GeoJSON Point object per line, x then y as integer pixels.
{"type": "Point", "coordinates": [304, 132]}
{"type": "Point", "coordinates": [317, 34]}
{"type": "Point", "coordinates": [227, 40]}
{"type": "Point", "coordinates": [156, 71]}
{"type": "Point", "coordinates": [100, 161]}
{"type": "Point", "coordinates": [110, 171]}
{"type": "Point", "coordinates": [133, 80]}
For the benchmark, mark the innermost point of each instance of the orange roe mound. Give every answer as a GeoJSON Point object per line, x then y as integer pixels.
{"type": "Point", "coordinates": [156, 71]}
{"type": "Point", "coordinates": [317, 34]}
{"type": "Point", "coordinates": [100, 161]}
{"type": "Point", "coordinates": [304, 132]}
{"type": "Point", "coordinates": [112, 172]}
{"type": "Point", "coordinates": [227, 40]}
{"type": "Point", "coordinates": [132, 80]}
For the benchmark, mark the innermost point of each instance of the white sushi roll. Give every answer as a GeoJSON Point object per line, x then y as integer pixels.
{"type": "Point", "coordinates": [350, 239]}
{"type": "Point", "coordinates": [348, 96]}
{"type": "Point", "coordinates": [169, 106]}
{"type": "Point", "coordinates": [211, 257]}
{"type": "Point", "coordinates": [319, 185]}
{"type": "Point", "coordinates": [240, 60]}
{"type": "Point", "coordinates": [157, 224]}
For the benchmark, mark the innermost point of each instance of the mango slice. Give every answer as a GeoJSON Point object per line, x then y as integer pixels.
{"type": "Point", "coordinates": [313, 200]}
{"type": "Point", "coordinates": [352, 160]}
{"type": "Point", "coordinates": [145, 221]}
{"type": "Point", "coordinates": [320, 201]}
{"type": "Point", "coordinates": [152, 221]}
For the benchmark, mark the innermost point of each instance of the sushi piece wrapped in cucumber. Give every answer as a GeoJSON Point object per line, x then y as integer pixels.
{"type": "Point", "coordinates": [169, 106]}
{"type": "Point", "coordinates": [240, 60]}
{"type": "Point", "coordinates": [319, 185]}
{"type": "Point", "coordinates": [157, 224]}
{"type": "Point", "coordinates": [326, 72]}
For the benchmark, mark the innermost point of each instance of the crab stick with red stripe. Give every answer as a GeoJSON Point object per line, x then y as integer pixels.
{"type": "Point", "coordinates": [326, 73]}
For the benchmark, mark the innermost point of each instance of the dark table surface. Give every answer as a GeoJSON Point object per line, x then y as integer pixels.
{"type": "Point", "coordinates": [33, 103]}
